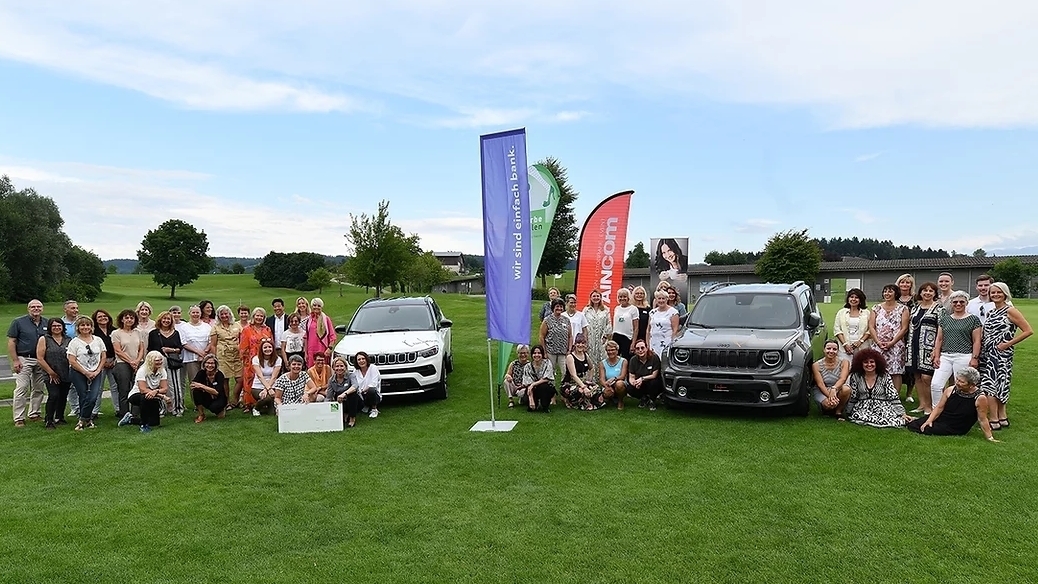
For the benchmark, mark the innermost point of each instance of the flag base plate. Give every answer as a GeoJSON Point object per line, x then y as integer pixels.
{"type": "Point", "coordinates": [498, 426]}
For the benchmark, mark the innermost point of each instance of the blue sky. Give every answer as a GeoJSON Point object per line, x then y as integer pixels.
{"type": "Point", "coordinates": [267, 123]}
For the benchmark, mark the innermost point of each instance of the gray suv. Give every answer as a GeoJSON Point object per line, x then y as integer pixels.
{"type": "Point", "coordinates": [749, 345]}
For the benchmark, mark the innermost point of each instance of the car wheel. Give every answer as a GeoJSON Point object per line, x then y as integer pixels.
{"type": "Point", "coordinates": [450, 363]}
{"type": "Point", "coordinates": [440, 391]}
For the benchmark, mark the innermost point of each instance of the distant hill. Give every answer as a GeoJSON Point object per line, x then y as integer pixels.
{"type": "Point", "coordinates": [127, 266]}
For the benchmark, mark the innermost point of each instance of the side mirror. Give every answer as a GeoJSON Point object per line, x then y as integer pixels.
{"type": "Point", "coordinates": [340, 328]}
{"type": "Point", "coordinates": [446, 323]}
{"type": "Point", "coordinates": [814, 320]}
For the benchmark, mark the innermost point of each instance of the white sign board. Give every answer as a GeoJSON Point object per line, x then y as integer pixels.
{"type": "Point", "coordinates": [316, 417]}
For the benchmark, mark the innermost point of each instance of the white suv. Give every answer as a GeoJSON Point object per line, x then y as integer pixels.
{"type": "Point", "coordinates": [409, 340]}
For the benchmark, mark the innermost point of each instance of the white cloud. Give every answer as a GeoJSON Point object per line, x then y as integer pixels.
{"type": "Point", "coordinates": [868, 157]}
{"type": "Point", "coordinates": [950, 63]}
{"type": "Point", "coordinates": [756, 225]}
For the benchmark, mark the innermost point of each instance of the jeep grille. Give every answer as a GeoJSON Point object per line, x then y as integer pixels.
{"type": "Point", "coordinates": [389, 358]}
{"type": "Point", "coordinates": [723, 358]}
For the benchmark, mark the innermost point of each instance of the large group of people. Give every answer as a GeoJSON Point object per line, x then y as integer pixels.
{"type": "Point", "coordinates": [954, 351]}
{"type": "Point", "coordinates": [153, 366]}
{"type": "Point", "coordinates": [596, 356]}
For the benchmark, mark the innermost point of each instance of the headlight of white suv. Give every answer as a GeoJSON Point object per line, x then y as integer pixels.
{"type": "Point", "coordinates": [426, 353]}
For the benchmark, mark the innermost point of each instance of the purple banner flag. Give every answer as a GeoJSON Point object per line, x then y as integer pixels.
{"type": "Point", "coordinates": [506, 235]}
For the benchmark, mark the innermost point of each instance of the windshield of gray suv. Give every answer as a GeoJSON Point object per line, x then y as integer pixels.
{"type": "Point", "coordinates": [391, 318]}
{"type": "Point", "coordinates": [750, 311]}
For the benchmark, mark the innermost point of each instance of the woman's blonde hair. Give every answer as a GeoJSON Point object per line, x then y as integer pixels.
{"type": "Point", "coordinates": [162, 315]}
{"type": "Point", "coordinates": [143, 304]}
{"type": "Point", "coordinates": [149, 362]}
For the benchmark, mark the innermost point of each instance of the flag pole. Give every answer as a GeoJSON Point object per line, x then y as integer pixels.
{"type": "Point", "coordinates": [490, 377]}
{"type": "Point", "coordinates": [492, 425]}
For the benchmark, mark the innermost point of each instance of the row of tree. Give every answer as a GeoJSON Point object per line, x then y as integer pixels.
{"type": "Point", "coordinates": [836, 248]}
{"type": "Point", "coordinates": [37, 258]}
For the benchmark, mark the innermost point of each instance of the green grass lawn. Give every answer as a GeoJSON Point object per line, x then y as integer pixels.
{"type": "Point", "coordinates": [607, 496]}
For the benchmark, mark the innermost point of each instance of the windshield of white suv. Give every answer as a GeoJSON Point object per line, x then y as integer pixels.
{"type": "Point", "coordinates": [750, 311]}
{"type": "Point", "coordinates": [391, 318]}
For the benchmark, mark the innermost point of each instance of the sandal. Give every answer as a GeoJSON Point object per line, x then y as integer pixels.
{"type": "Point", "coordinates": [230, 407]}
{"type": "Point", "coordinates": [511, 404]}
{"type": "Point", "coordinates": [1004, 422]}
{"type": "Point", "coordinates": [841, 417]}
{"type": "Point", "coordinates": [200, 418]}
{"type": "Point", "coordinates": [995, 425]}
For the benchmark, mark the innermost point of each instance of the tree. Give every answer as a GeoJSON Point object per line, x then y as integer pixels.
{"type": "Point", "coordinates": [980, 253]}
{"type": "Point", "coordinates": [320, 278]}
{"type": "Point", "coordinates": [113, 269]}
{"type": "Point", "coordinates": [425, 272]}
{"type": "Point", "coordinates": [237, 268]}
{"type": "Point", "coordinates": [789, 256]}
{"type": "Point", "coordinates": [731, 258]}
{"type": "Point", "coordinates": [33, 244]}
{"type": "Point", "coordinates": [381, 251]}
{"type": "Point", "coordinates": [638, 258]}
{"type": "Point", "coordinates": [85, 273]}
{"type": "Point", "coordinates": [287, 270]}
{"type": "Point", "coordinates": [175, 254]}
{"type": "Point", "coordinates": [1015, 274]}
{"type": "Point", "coordinates": [560, 248]}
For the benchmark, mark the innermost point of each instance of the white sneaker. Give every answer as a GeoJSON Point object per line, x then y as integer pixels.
{"type": "Point", "coordinates": [374, 413]}
{"type": "Point", "coordinates": [364, 410]}
{"type": "Point", "coordinates": [126, 419]}
{"type": "Point", "coordinates": [255, 413]}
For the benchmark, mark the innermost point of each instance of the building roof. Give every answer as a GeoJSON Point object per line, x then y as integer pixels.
{"type": "Point", "coordinates": [860, 265]}
{"type": "Point", "coordinates": [447, 254]}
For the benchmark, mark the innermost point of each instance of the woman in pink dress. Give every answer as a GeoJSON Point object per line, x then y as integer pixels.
{"type": "Point", "coordinates": [888, 325]}
{"type": "Point", "coordinates": [320, 333]}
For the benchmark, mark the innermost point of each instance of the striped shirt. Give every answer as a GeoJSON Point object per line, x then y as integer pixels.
{"type": "Point", "coordinates": [958, 333]}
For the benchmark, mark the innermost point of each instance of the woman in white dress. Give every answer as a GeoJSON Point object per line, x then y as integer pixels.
{"type": "Point", "coordinates": [663, 324]}
{"type": "Point", "coordinates": [625, 322]}
{"type": "Point", "coordinates": [851, 327]}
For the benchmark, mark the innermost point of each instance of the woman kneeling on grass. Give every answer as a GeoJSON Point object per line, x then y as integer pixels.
{"type": "Point", "coordinates": [209, 389]}
{"type": "Point", "coordinates": [291, 387]}
{"type": "Point", "coordinates": [961, 406]}
{"type": "Point", "coordinates": [829, 376]}
{"type": "Point", "coordinates": [580, 389]}
{"type": "Point", "coordinates": [539, 379]}
{"type": "Point", "coordinates": [362, 388]}
{"type": "Point", "coordinates": [149, 391]}
{"type": "Point", "coordinates": [873, 400]}
{"type": "Point", "coordinates": [612, 373]}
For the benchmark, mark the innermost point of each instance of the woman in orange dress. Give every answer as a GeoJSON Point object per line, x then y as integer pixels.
{"type": "Point", "coordinates": [249, 347]}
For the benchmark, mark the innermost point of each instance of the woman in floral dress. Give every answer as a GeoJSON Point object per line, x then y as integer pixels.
{"type": "Point", "coordinates": [600, 326]}
{"type": "Point", "coordinates": [580, 389]}
{"type": "Point", "coordinates": [997, 348]}
{"type": "Point", "coordinates": [888, 325]}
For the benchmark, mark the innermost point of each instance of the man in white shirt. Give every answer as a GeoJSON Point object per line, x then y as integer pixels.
{"type": "Point", "coordinates": [278, 321]}
{"type": "Point", "coordinates": [981, 306]}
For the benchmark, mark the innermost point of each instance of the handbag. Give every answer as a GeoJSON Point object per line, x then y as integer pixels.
{"type": "Point", "coordinates": [174, 361]}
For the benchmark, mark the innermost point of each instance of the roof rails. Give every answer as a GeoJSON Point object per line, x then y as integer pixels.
{"type": "Point", "coordinates": [718, 286]}
{"type": "Point", "coordinates": [794, 285]}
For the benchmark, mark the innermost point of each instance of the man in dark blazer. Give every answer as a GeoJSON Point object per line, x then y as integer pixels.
{"type": "Point", "coordinates": [277, 322]}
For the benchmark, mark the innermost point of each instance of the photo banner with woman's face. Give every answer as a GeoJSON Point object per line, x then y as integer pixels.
{"type": "Point", "coordinates": [669, 263]}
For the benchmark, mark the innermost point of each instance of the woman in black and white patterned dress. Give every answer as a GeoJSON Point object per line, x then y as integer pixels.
{"type": "Point", "coordinates": [996, 366]}
{"type": "Point", "coordinates": [873, 399]}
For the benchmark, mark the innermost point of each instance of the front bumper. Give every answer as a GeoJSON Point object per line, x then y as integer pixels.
{"type": "Point", "coordinates": [718, 388]}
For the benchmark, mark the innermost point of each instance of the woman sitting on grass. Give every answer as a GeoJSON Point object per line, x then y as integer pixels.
{"type": "Point", "coordinates": [830, 374]}
{"type": "Point", "coordinates": [149, 391]}
{"type": "Point", "coordinates": [612, 373]}
{"type": "Point", "coordinates": [580, 389]}
{"type": "Point", "coordinates": [209, 389]}
{"type": "Point", "coordinates": [360, 389]}
{"type": "Point", "coordinates": [961, 406]}
{"type": "Point", "coordinates": [339, 390]}
{"type": "Point", "coordinates": [514, 376]}
{"type": "Point", "coordinates": [291, 387]}
{"type": "Point", "coordinates": [873, 401]}
{"type": "Point", "coordinates": [539, 378]}
{"type": "Point", "coordinates": [266, 368]}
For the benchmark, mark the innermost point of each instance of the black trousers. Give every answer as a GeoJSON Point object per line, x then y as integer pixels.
{"type": "Point", "coordinates": [57, 399]}
{"type": "Point", "coordinates": [149, 408]}
{"type": "Point", "coordinates": [650, 389]}
{"type": "Point", "coordinates": [542, 394]}
{"type": "Point", "coordinates": [356, 400]}
{"type": "Point", "coordinates": [213, 403]}
{"type": "Point", "coordinates": [124, 375]}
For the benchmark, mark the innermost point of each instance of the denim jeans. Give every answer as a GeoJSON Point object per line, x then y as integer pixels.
{"type": "Point", "coordinates": [88, 392]}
